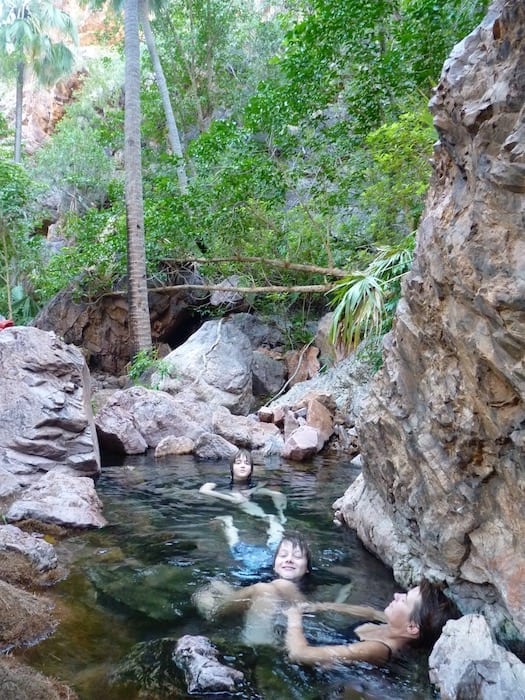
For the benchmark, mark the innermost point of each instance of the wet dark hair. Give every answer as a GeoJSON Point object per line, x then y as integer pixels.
{"type": "Point", "coordinates": [431, 613]}
{"type": "Point", "coordinates": [298, 540]}
{"type": "Point", "coordinates": [249, 458]}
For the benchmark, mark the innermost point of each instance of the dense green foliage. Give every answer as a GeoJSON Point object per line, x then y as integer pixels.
{"type": "Point", "coordinates": [306, 138]}
{"type": "Point", "coordinates": [19, 253]}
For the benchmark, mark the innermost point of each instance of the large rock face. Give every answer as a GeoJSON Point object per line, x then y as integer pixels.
{"type": "Point", "coordinates": [215, 364]}
{"type": "Point", "coordinates": [46, 421]}
{"type": "Point", "coordinates": [443, 433]}
{"type": "Point", "coordinates": [100, 326]}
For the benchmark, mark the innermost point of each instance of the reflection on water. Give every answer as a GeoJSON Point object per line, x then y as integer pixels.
{"type": "Point", "coordinates": [128, 594]}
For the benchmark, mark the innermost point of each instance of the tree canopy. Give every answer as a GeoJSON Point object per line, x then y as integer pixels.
{"type": "Point", "coordinates": [304, 133]}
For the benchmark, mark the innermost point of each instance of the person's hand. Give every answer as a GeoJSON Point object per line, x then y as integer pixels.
{"type": "Point", "coordinates": [207, 487]}
{"type": "Point", "coordinates": [209, 598]}
{"type": "Point", "coordinates": [237, 497]}
{"type": "Point", "coordinates": [220, 587]}
{"type": "Point", "coordinates": [259, 487]}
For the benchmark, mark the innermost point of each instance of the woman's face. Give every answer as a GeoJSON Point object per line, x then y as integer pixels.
{"type": "Point", "coordinates": [400, 612]}
{"type": "Point", "coordinates": [291, 562]}
{"type": "Point", "coordinates": [241, 468]}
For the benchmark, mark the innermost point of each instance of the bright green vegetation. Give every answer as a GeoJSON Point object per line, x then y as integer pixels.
{"type": "Point", "coordinates": [146, 361]}
{"type": "Point", "coordinates": [306, 137]}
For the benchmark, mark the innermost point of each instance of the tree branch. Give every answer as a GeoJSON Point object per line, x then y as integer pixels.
{"type": "Point", "coordinates": [301, 289]}
{"type": "Point", "coordinates": [284, 264]}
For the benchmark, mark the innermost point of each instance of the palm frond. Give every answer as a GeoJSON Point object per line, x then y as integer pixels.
{"type": "Point", "coordinates": [366, 300]}
{"type": "Point", "coordinates": [359, 304]}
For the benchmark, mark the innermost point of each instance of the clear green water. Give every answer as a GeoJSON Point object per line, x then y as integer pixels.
{"type": "Point", "coordinates": [127, 597]}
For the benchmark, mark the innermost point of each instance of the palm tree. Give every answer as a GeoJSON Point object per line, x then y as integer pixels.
{"type": "Point", "coordinates": [26, 31]}
{"type": "Point", "coordinates": [139, 318]}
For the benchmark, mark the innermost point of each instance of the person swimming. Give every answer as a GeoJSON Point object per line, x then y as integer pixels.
{"type": "Point", "coordinates": [241, 488]}
{"type": "Point", "coordinates": [412, 618]}
{"type": "Point", "coordinates": [253, 558]}
{"type": "Point", "coordinates": [261, 602]}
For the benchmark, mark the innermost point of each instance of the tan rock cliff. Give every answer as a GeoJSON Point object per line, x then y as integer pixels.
{"type": "Point", "coordinates": [443, 433]}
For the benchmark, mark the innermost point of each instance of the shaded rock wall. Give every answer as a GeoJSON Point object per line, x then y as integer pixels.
{"type": "Point", "coordinates": [443, 433]}
{"type": "Point", "coordinates": [100, 326]}
{"type": "Point", "coordinates": [46, 421]}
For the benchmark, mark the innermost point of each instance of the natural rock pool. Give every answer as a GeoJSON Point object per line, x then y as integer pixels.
{"type": "Point", "coordinates": [127, 597]}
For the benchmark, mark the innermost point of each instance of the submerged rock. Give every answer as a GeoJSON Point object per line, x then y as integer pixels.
{"type": "Point", "coordinates": [197, 657]}
{"type": "Point", "coordinates": [157, 591]}
{"type": "Point", "coordinates": [149, 666]}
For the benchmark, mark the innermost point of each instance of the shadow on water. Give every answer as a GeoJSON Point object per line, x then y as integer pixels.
{"type": "Point", "coordinates": [128, 594]}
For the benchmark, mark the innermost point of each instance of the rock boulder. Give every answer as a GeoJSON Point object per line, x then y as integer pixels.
{"type": "Point", "coordinates": [46, 420]}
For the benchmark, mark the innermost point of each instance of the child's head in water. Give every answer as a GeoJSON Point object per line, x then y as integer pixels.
{"type": "Point", "coordinates": [241, 468]}
{"type": "Point", "coordinates": [292, 560]}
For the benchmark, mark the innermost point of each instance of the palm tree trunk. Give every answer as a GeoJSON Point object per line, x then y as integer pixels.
{"type": "Point", "coordinates": [139, 318]}
{"type": "Point", "coordinates": [173, 132]}
{"type": "Point", "coordinates": [20, 69]}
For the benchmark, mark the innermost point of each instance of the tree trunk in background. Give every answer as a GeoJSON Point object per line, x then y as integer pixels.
{"type": "Point", "coordinates": [173, 132]}
{"type": "Point", "coordinates": [139, 319]}
{"type": "Point", "coordinates": [18, 110]}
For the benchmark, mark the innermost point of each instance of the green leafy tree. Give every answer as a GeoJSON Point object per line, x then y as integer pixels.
{"type": "Point", "coordinates": [27, 30]}
{"type": "Point", "coordinates": [75, 166]}
{"type": "Point", "coordinates": [328, 163]}
{"type": "Point", "coordinates": [173, 131]}
{"type": "Point", "coordinates": [367, 56]}
{"type": "Point", "coordinates": [146, 7]}
{"type": "Point", "coordinates": [16, 196]}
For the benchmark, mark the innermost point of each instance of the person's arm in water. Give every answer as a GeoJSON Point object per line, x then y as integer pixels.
{"type": "Point", "coordinates": [365, 611]}
{"type": "Point", "coordinates": [300, 651]}
{"type": "Point", "coordinates": [219, 598]}
{"type": "Point", "coordinates": [278, 498]}
{"type": "Point", "coordinates": [235, 497]}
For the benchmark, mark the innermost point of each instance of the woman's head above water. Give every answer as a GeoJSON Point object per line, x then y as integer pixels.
{"type": "Point", "coordinates": [431, 612]}
{"type": "Point", "coordinates": [412, 618]}
{"type": "Point", "coordinates": [420, 613]}
{"type": "Point", "coordinates": [241, 467]}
